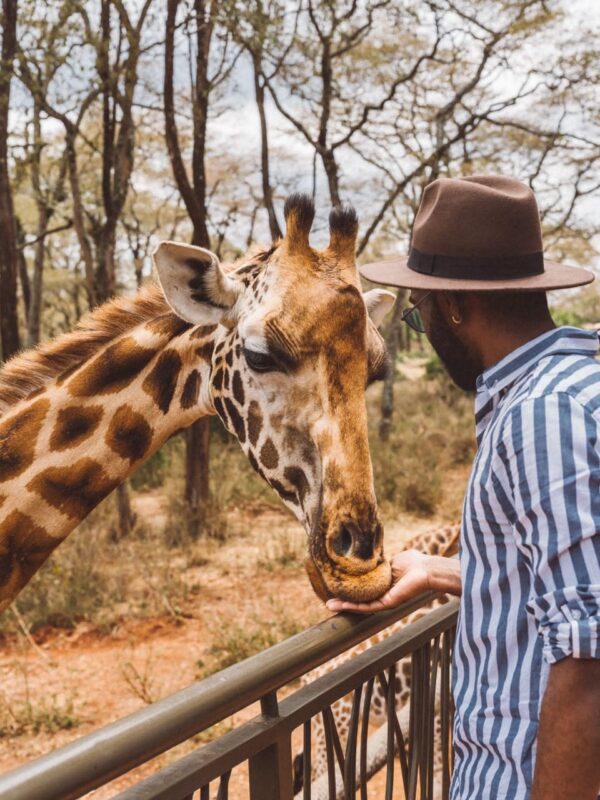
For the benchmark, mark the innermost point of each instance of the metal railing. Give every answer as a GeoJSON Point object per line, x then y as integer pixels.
{"type": "Point", "coordinates": [408, 738]}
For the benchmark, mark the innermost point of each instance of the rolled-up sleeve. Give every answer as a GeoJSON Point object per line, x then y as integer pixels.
{"type": "Point", "coordinates": [555, 479]}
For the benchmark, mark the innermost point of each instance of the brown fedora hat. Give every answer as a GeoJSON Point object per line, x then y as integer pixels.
{"type": "Point", "coordinates": [480, 233]}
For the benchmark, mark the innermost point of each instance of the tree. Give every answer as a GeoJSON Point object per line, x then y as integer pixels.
{"type": "Point", "coordinates": [9, 323]}
{"type": "Point", "coordinates": [206, 78]}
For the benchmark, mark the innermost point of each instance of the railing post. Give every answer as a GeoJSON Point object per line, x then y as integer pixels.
{"type": "Point", "coordinates": [270, 771]}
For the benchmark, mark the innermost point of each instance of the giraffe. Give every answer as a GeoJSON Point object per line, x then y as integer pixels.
{"type": "Point", "coordinates": [438, 541]}
{"type": "Point", "coordinates": [280, 345]}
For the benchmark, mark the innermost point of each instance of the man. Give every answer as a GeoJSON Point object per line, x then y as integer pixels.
{"type": "Point", "coordinates": [527, 656]}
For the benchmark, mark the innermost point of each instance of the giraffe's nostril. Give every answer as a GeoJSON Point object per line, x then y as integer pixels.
{"type": "Point", "coordinates": [363, 546]}
{"type": "Point", "coordinates": [342, 544]}
{"type": "Point", "coordinates": [350, 540]}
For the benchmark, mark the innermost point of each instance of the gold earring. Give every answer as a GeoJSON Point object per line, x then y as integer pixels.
{"type": "Point", "coordinates": [456, 320]}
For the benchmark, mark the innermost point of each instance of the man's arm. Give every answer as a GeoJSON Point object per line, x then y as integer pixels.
{"type": "Point", "coordinates": [412, 574]}
{"type": "Point", "coordinates": [568, 748]}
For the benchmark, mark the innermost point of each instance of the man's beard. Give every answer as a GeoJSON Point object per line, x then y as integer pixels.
{"type": "Point", "coordinates": [462, 364]}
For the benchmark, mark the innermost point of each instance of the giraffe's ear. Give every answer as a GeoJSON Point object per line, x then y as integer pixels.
{"type": "Point", "coordinates": [378, 303]}
{"type": "Point", "coordinates": [194, 283]}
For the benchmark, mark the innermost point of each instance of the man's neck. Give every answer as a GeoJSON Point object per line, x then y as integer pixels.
{"type": "Point", "coordinates": [494, 348]}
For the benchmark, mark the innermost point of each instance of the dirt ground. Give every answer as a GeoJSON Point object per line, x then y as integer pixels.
{"type": "Point", "coordinates": [91, 679]}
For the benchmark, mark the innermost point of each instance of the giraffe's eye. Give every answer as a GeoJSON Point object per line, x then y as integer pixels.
{"type": "Point", "coordinates": [260, 362]}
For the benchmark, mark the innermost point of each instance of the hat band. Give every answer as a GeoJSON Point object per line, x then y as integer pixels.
{"type": "Point", "coordinates": [493, 268]}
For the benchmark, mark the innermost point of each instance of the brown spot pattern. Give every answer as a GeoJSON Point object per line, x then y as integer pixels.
{"type": "Point", "coordinates": [205, 351]}
{"type": "Point", "coordinates": [284, 493]}
{"type": "Point", "coordinates": [217, 381]}
{"type": "Point", "coordinates": [168, 325]}
{"type": "Point", "coordinates": [220, 409]}
{"type": "Point", "coordinates": [236, 420]}
{"type": "Point", "coordinates": [269, 457]}
{"type": "Point", "coordinates": [24, 546]}
{"type": "Point", "coordinates": [202, 331]}
{"type": "Point", "coordinates": [255, 422]}
{"type": "Point", "coordinates": [297, 477]}
{"type": "Point", "coordinates": [18, 436]}
{"type": "Point", "coordinates": [76, 489]}
{"type": "Point", "coordinates": [129, 434]}
{"type": "Point", "coordinates": [254, 463]}
{"type": "Point", "coordinates": [112, 370]}
{"type": "Point", "coordinates": [238, 388]}
{"type": "Point", "coordinates": [161, 381]}
{"type": "Point", "coordinates": [73, 425]}
{"type": "Point", "coordinates": [191, 388]}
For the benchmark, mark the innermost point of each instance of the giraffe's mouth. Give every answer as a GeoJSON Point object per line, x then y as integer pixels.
{"type": "Point", "coordinates": [328, 582]}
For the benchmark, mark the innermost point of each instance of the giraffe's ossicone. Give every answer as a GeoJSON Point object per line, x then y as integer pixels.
{"type": "Point", "coordinates": [281, 345]}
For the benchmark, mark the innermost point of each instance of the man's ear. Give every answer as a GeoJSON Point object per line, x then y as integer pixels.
{"type": "Point", "coordinates": [456, 306]}
{"type": "Point", "coordinates": [194, 283]}
{"type": "Point", "coordinates": [378, 303]}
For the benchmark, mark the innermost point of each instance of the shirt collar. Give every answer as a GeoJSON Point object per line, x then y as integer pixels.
{"type": "Point", "coordinates": [566, 340]}
{"type": "Point", "coordinates": [495, 381]}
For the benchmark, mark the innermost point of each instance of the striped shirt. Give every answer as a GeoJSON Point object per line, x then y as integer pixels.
{"type": "Point", "coordinates": [529, 555]}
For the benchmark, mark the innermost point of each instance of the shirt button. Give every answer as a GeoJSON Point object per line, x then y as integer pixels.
{"type": "Point", "coordinates": [576, 613]}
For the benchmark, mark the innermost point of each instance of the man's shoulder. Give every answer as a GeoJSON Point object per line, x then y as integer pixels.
{"type": "Point", "coordinates": [558, 376]}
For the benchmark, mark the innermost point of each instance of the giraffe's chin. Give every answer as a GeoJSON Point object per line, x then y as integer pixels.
{"type": "Point", "coordinates": [356, 588]}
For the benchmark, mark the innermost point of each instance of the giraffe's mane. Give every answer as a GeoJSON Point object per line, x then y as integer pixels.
{"type": "Point", "coordinates": [34, 369]}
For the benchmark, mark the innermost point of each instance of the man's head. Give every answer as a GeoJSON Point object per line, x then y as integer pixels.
{"type": "Point", "coordinates": [477, 271]}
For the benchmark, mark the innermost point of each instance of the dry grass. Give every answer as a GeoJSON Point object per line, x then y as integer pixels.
{"type": "Point", "coordinates": [23, 714]}
{"type": "Point", "coordinates": [233, 642]}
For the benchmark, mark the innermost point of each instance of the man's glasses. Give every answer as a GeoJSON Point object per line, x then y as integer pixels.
{"type": "Point", "coordinates": [412, 316]}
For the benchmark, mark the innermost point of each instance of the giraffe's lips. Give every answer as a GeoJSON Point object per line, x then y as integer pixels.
{"type": "Point", "coordinates": [328, 582]}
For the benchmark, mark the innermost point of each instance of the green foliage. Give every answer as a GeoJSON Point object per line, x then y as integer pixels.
{"type": "Point", "coordinates": [568, 316]}
{"type": "Point", "coordinates": [582, 308]}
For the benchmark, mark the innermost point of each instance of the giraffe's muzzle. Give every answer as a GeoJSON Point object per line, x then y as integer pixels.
{"type": "Point", "coordinates": [351, 566]}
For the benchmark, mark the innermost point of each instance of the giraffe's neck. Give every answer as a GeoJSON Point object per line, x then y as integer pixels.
{"type": "Point", "coordinates": [69, 444]}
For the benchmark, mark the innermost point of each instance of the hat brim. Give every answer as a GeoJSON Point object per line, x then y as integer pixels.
{"type": "Point", "coordinates": [398, 273]}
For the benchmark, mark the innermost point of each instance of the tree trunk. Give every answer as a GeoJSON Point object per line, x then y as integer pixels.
{"type": "Point", "coordinates": [197, 466]}
{"type": "Point", "coordinates": [391, 341]}
{"type": "Point", "coordinates": [126, 517]}
{"type": "Point", "coordinates": [22, 267]}
{"type": "Point", "coordinates": [193, 193]}
{"type": "Point", "coordinates": [259, 91]}
{"type": "Point", "coordinates": [9, 319]}
{"type": "Point", "coordinates": [331, 170]}
{"type": "Point", "coordinates": [197, 491]}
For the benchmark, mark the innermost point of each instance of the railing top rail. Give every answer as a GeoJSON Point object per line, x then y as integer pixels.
{"type": "Point", "coordinates": [97, 758]}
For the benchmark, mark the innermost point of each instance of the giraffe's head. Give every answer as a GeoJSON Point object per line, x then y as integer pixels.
{"type": "Point", "coordinates": [295, 348]}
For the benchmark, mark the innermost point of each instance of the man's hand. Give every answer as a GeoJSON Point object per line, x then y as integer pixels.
{"type": "Point", "coordinates": [412, 574]}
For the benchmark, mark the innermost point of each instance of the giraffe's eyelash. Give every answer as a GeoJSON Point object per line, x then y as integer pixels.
{"type": "Point", "coordinates": [260, 361]}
